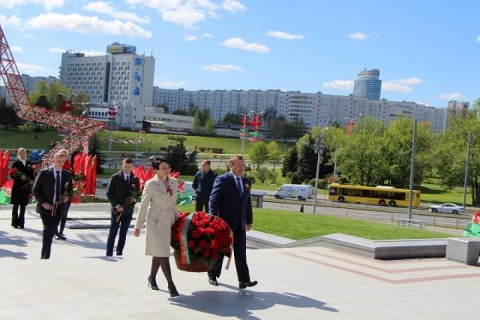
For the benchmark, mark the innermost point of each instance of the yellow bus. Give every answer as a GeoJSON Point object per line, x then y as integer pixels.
{"type": "Point", "coordinates": [380, 195]}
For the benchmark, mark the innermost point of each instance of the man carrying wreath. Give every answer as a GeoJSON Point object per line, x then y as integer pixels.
{"type": "Point", "coordinates": [122, 191]}
{"type": "Point", "coordinates": [230, 200]}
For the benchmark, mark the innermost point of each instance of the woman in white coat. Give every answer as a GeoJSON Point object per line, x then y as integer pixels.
{"type": "Point", "coordinates": [158, 212]}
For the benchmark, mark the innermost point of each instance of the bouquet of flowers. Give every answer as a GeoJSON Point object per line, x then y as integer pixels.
{"type": "Point", "coordinates": [135, 193]}
{"type": "Point", "coordinates": [15, 174]}
{"type": "Point", "coordinates": [198, 239]}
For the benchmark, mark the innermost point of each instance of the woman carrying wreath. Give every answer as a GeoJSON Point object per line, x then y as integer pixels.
{"type": "Point", "coordinates": [158, 212]}
{"type": "Point", "coordinates": [23, 175]}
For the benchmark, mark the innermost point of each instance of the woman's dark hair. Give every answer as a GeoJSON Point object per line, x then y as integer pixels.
{"type": "Point", "coordinates": [157, 161]}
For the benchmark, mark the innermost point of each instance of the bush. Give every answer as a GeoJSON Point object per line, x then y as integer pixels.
{"type": "Point", "coordinates": [322, 183]}
{"type": "Point", "coordinates": [261, 174]}
{"type": "Point", "coordinates": [295, 179]}
{"type": "Point", "coordinates": [37, 129]}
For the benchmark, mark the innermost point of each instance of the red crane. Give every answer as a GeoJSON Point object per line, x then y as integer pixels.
{"type": "Point", "coordinates": [81, 129]}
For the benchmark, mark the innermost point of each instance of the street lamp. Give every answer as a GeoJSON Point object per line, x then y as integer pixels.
{"type": "Point", "coordinates": [319, 145]}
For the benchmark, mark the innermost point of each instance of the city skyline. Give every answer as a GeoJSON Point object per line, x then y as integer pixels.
{"type": "Point", "coordinates": [426, 54]}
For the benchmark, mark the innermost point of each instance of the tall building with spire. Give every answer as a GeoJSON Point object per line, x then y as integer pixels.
{"type": "Point", "coordinates": [368, 85]}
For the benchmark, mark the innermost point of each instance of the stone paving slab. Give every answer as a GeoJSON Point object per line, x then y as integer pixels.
{"type": "Point", "coordinates": [79, 282]}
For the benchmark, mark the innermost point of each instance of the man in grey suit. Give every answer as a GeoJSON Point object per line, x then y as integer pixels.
{"type": "Point", "coordinates": [230, 200]}
{"type": "Point", "coordinates": [52, 189]}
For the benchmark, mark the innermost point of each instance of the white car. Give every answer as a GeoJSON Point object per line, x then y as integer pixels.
{"type": "Point", "coordinates": [447, 208]}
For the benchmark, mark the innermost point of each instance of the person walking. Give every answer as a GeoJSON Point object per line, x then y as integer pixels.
{"type": "Point", "coordinates": [51, 189]}
{"type": "Point", "coordinates": [230, 200]}
{"type": "Point", "coordinates": [59, 235]}
{"type": "Point", "coordinates": [122, 192]}
{"type": "Point", "coordinates": [23, 175]}
{"type": "Point", "coordinates": [202, 184]}
{"type": "Point", "coordinates": [158, 212]}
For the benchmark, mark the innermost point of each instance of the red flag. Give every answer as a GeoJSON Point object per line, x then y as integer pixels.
{"type": "Point", "coordinates": [150, 174]}
{"type": "Point", "coordinates": [1, 169]}
{"type": "Point", "coordinates": [4, 172]}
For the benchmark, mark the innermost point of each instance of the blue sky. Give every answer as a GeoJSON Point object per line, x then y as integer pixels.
{"type": "Point", "coordinates": [427, 51]}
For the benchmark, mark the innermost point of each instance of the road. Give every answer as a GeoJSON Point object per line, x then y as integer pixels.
{"type": "Point", "coordinates": [356, 211]}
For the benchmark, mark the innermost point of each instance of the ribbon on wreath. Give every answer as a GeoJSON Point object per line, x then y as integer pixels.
{"type": "Point", "coordinates": [185, 255]}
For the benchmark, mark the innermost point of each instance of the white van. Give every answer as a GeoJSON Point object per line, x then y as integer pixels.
{"type": "Point", "coordinates": [297, 191]}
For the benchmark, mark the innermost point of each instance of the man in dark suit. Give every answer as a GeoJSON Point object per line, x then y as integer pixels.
{"type": "Point", "coordinates": [230, 200]}
{"type": "Point", "coordinates": [22, 187]}
{"type": "Point", "coordinates": [52, 189]}
{"type": "Point", "coordinates": [202, 184]}
{"type": "Point", "coordinates": [121, 193]}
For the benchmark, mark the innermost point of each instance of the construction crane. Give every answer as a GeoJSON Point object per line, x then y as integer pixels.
{"type": "Point", "coordinates": [81, 129]}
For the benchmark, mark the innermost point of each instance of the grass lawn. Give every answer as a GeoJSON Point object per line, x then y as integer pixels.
{"type": "Point", "coordinates": [299, 226]}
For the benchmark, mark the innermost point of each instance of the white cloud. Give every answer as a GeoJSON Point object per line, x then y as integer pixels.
{"type": "Point", "coordinates": [478, 39]}
{"type": "Point", "coordinates": [283, 35]}
{"type": "Point", "coordinates": [233, 6]}
{"type": "Point", "coordinates": [16, 49]}
{"type": "Point", "coordinates": [12, 21]}
{"type": "Point", "coordinates": [190, 38]}
{"type": "Point", "coordinates": [452, 96]}
{"type": "Point", "coordinates": [239, 43]}
{"type": "Point", "coordinates": [93, 53]}
{"type": "Point", "coordinates": [208, 35]}
{"type": "Point", "coordinates": [221, 67]}
{"type": "Point", "coordinates": [165, 83]}
{"type": "Point", "coordinates": [339, 84]}
{"type": "Point", "coordinates": [357, 36]}
{"type": "Point", "coordinates": [31, 69]}
{"type": "Point", "coordinates": [184, 13]}
{"type": "Point", "coordinates": [401, 85]}
{"type": "Point", "coordinates": [48, 4]}
{"type": "Point", "coordinates": [110, 10]}
{"type": "Point", "coordinates": [83, 24]}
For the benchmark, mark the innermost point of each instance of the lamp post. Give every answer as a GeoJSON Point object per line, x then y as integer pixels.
{"type": "Point", "coordinates": [319, 145]}
{"type": "Point", "coordinates": [465, 182]}
{"type": "Point", "coordinates": [412, 169]}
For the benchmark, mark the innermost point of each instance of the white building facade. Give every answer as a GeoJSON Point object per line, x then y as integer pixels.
{"type": "Point", "coordinates": [315, 109]}
{"type": "Point", "coordinates": [121, 77]}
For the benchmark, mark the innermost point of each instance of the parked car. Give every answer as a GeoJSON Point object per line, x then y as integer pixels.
{"type": "Point", "coordinates": [446, 208]}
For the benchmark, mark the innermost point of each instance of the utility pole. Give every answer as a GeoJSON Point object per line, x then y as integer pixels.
{"type": "Point", "coordinates": [412, 169]}
{"type": "Point", "coordinates": [319, 145]}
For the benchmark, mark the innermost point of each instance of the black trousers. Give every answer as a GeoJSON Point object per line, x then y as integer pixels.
{"type": "Point", "coordinates": [240, 255]}
{"type": "Point", "coordinates": [50, 225]}
{"type": "Point", "coordinates": [63, 218]}
{"type": "Point", "coordinates": [201, 202]}
{"type": "Point", "coordinates": [18, 218]}
{"type": "Point", "coordinates": [123, 225]}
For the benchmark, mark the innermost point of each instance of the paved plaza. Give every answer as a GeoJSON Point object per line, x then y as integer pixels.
{"type": "Point", "coordinates": [79, 282]}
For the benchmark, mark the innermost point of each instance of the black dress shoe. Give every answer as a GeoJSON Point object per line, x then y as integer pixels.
{"type": "Point", "coordinates": [152, 283]}
{"type": "Point", "coordinates": [119, 253]}
{"type": "Point", "coordinates": [243, 285]}
{"type": "Point", "coordinates": [173, 291]}
{"type": "Point", "coordinates": [213, 280]}
{"type": "Point", "coordinates": [16, 227]}
{"type": "Point", "coordinates": [60, 236]}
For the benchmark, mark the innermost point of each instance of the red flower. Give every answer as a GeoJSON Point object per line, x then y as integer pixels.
{"type": "Point", "coordinates": [207, 236]}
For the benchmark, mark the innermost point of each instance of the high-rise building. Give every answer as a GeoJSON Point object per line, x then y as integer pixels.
{"type": "Point", "coordinates": [368, 85]}
{"type": "Point", "coordinates": [121, 77]}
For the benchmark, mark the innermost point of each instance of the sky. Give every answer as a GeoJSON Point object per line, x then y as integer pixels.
{"type": "Point", "coordinates": [427, 51]}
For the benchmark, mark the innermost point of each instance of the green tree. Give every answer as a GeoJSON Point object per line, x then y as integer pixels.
{"type": "Point", "coordinates": [361, 160]}
{"type": "Point", "coordinates": [451, 154]}
{"type": "Point", "coordinates": [290, 161]}
{"type": "Point", "coordinates": [196, 123]}
{"type": "Point", "coordinates": [8, 117]}
{"type": "Point", "coordinates": [232, 118]}
{"type": "Point", "coordinates": [274, 153]}
{"type": "Point", "coordinates": [307, 159]}
{"type": "Point", "coordinates": [209, 128]}
{"type": "Point", "coordinates": [398, 141]}
{"type": "Point", "coordinates": [192, 109]}
{"type": "Point", "coordinates": [258, 154]}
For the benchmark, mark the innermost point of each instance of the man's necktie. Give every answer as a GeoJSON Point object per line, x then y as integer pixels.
{"type": "Point", "coordinates": [239, 185]}
{"type": "Point", "coordinates": [128, 179]}
{"type": "Point", "coordinates": [57, 186]}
